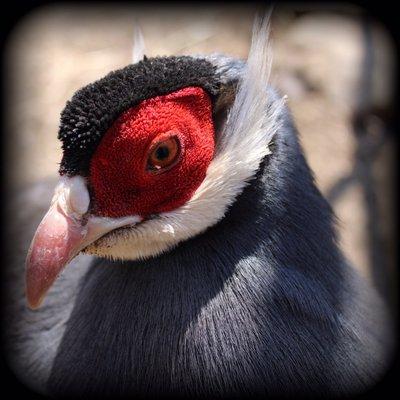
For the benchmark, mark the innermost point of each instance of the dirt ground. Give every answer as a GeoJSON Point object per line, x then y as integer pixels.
{"type": "Point", "coordinates": [318, 58]}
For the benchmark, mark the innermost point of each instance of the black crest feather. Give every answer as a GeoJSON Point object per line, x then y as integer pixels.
{"type": "Point", "coordinates": [94, 108]}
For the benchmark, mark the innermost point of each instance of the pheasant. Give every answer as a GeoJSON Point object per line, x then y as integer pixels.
{"type": "Point", "coordinates": [210, 263]}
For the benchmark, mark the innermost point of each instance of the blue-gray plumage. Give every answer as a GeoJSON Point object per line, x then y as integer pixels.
{"type": "Point", "coordinates": [261, 303]}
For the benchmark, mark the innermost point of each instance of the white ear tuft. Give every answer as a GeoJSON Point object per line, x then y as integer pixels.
{"type": "Point", "coordinates": [248, 111]}
{"type": "Point", "coordinates": [138, 45]}
{"type": "Point", "coordinates": [243, 142]}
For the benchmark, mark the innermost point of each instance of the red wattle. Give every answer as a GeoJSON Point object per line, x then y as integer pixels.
{"type": "Point", "coordinates": [119, 180]}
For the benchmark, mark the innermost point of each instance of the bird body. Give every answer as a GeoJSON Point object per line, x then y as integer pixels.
{"type": "Point", "coordinates": [228, 312]}
{"type": "Point", "coordinates": [256, 299]}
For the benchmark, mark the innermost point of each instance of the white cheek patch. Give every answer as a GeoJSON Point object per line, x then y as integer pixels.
{"type": "Point", "coordinates": [253, 120]}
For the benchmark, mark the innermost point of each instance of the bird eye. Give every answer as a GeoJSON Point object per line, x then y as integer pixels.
{"type": "Point", "coordinates": [164, 154]}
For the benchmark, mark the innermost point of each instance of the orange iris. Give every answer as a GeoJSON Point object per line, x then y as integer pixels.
{"type": "Point", "coordinates": [164, 154]}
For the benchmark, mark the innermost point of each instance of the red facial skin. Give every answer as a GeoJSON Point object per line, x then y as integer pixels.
{"type": "Point", "coordinates": [119, 178]}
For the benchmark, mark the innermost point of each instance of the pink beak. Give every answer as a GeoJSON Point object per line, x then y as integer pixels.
{"type": "Point", "coordinates": [65, 230]}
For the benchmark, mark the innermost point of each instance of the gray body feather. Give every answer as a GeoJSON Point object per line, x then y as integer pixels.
{"type": "Point", "coordinates": [261, 303]}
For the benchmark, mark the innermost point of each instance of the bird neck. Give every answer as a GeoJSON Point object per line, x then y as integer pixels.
{"type": "Point", "coordinates": [166, 309]}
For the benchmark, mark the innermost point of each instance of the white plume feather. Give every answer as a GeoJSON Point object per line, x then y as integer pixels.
{"type": "Point", "coordinates": [253, 120]}
{"type": "Point", "coordinates": [138, 44]}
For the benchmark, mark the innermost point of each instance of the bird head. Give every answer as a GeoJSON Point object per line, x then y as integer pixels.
{"type": "Point", "coordinates": [153, 154]}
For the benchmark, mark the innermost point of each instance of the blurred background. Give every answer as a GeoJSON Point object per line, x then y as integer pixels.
{"type": "Point", "coordinates": [336, 64]}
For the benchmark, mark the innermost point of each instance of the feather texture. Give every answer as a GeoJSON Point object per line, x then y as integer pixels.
{"type": "Point", "coordinates": [262, 303]}
{"type": "Point", "coordinates": [256, 299]}
{"type": "Point", "coordinates": [253, 120]}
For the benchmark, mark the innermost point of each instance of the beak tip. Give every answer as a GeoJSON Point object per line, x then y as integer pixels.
{"type": "Point", "coordinates": [34, 297]}
{"type": "Point", "coordinates": [35, 287]}
{"type": "Point", "coordinates": [34, 305]}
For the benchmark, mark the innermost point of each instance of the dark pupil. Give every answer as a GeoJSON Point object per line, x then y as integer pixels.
{"type": "Point", "coordinates": [162, 153]}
